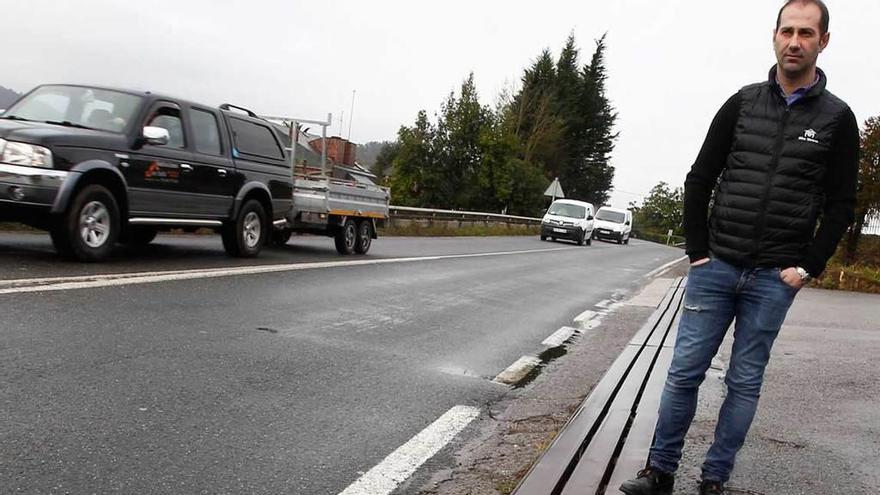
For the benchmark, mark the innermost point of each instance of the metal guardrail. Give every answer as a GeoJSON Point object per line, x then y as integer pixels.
{"type": "Point", "coordinates": [872, 225]}
{"type": "Point", "coordinates": [428, 213]}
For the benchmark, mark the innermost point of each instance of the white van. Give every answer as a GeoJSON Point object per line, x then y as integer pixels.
{"type": "Point", "coordinates": [614, 224]}
{"type": "Point", "coordinates": [568, 219]}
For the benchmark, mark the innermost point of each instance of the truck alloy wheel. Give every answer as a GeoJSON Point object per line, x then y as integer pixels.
{"type": "Point", "coordinates": [89, 229]}
{"type": "Point", "coordinates": [251, 230]}
{"type": "Point", "coordinates": [364, 237]}
{"type": "Point", "coordinates": [244, 237]}
{"type": "Point", "coordinates": [346, 237]}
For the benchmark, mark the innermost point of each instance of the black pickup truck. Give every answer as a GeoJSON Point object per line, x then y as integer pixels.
{"type": "Point", "coordinates": [96, 166]}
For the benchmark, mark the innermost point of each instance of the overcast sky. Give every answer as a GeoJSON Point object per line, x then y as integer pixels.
{"type": "Point", "coordinates": [671, 63]}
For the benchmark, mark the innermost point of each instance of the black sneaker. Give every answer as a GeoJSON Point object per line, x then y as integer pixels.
{"type": "Point", "coordinates": [649, 481]}
{"type": "Point", "coordinates": [709, 487]}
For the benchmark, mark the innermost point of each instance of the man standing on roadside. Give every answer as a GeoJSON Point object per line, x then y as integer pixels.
{"type": "Point", "coordinates": [786, 151]}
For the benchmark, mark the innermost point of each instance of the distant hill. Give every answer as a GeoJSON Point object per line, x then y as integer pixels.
{"type": "Point", "coordinates": [7, 97]}
{"type": "Point", "coordinates": [367, 153]}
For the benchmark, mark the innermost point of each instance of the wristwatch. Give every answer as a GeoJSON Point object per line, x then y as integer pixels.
{"type": "Point", "coordinates": [804, 274]}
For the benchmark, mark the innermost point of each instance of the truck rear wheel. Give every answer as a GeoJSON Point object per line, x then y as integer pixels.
{"type": "Point", "coordinates": [245, 236]}
{"type": "Point", "coordinates": [89, 229]}
{"type": "Point", "coordinates": [346, 237]}
{"type": "Point", "coordinates": [364, 237]}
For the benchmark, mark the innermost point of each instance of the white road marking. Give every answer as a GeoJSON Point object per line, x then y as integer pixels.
{"type": "Point", "coordinates": [665, 267]}
{"type": "Point", "coordinates": [559, 337]}
{"type": "Point", "coordinates": [586, 315]}
{"type": "Point", "coordinates": [403, 462]}
{"type": "Point", "coordinates": [518, 370]}
{"type": "Point", "coordinates": [18, 286]}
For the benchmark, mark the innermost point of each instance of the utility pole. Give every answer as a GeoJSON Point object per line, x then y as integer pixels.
{"type": "Point", "coordinates": [350, 115]}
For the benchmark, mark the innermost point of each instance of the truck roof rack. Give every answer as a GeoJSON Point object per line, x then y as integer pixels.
{"type": "Point", "coordinates": [229, 106]}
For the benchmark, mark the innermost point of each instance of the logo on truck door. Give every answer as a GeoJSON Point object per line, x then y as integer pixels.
{"type": "Point", "coordinates": [162, 172]}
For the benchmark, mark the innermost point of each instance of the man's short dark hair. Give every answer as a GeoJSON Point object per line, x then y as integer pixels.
{"type": "Point", "coordinates": [823, 22]}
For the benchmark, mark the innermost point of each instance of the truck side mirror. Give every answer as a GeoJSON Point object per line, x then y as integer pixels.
{"type": "Point", "coordinates": [627, 222]}
{"type": "Point", "coordinates": [590, 217]}
{"type": "Point", "coordinates": [156, 135]}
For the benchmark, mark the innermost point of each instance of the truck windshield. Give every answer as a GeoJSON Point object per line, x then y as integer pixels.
{"type": "Point", "coordinates": [611, 216]}
{"type": "Point", "coordinates": [76, 106]}
{"type": "Point", "coordinates": [567, 210]}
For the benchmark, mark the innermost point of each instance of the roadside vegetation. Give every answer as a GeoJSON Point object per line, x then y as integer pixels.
{"type": "Point", "coordinates": [856, 264]}
{"type": "Point", "coordinates": [16, 227]}
{"type": "Point", "coordinates": [861, 275]}
{"type": "Point", "coordinates": [557, 124]}
{"type": "Point", "coordinates": [660, 212]}
{"type": "Point", "coordinates": [464, 230]}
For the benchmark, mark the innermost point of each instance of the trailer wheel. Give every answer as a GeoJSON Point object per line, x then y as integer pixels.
{"type": "Point", "coordinates": [364, 237]}
{"type": "Point", "coordinates": [244, 237]}
{"type": "Point", "coordinates": [346, 237]}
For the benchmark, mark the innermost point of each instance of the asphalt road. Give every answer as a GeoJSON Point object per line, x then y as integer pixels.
{"type": "Point", "coordinates": [292, 381]}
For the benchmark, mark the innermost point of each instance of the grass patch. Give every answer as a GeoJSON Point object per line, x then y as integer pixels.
{"type": "Point", "coordinates": [853, 278]}
{"type": "Point", "coordinates": [415, 230]}
{"type": "Point", "coordinates": [16, 227]}
{"type": "Point", "coordinates": [861, 276]}
{"type": "Point", "coordinates": [658, 237]}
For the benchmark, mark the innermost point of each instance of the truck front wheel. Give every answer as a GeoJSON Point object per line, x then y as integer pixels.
{"type": "Point", "coordinates": [364, 237]}
{"type": "Point", "coordinates": [346, 237]}
{"type": "Point", "coordinates": [89, 229]}
{"type": "Point", "coordinates": [245, 236]}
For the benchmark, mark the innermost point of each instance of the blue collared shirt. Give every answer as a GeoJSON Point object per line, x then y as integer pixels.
{"type": "Point", "coordinates": [798, 93]}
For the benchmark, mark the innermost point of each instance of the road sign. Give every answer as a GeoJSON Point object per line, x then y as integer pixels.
{"type": "Point", "coordinates": [555, 190]}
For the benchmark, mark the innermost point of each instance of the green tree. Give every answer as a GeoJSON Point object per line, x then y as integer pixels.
{"type": "Point", "coordinates": [868, 199]}
{"type": "Point", "coordinates": [560, 124]}
{"type": "Point", "coordinates": [460, 127]}
{"type": "Point", "coordinates": [661, 211]}
{"type": "Point", "coordinates": [415, 178]}
{"type": "Point", "coordinates": [599, 136]}
{"type": "Point", "coordinates": [565, 122]}
{"type": "Point", "coordinates": [532, 115]}
{"type": "Point", "coordinates": [384, 163]}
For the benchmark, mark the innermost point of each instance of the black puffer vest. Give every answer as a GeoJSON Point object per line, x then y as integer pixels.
{"type": "Point", "coordinates": [771, 192]}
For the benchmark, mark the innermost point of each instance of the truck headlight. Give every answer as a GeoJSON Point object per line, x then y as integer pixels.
{"type": "Point", "coordinates": [29, 155]}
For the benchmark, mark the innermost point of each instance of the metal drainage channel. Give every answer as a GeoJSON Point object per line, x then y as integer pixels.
{"type": "Point", "coordinates": [607, 440]}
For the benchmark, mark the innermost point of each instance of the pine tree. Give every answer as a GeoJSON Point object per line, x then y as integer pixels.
{"type": "Point", "coordinates": [595, 171]}
{"type": "Point", "coordinates": [533, 116]}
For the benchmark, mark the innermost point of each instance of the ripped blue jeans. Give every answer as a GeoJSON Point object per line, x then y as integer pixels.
{"type": "Point", "coordinates": [717, 294]}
